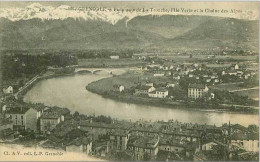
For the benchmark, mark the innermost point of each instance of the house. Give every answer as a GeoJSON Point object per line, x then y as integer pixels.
{"type": "Point", "coordinates": [232, 72]}
{"type": "Point", "coordinates": [208, 145]}
{"type": "Point", "coordinates": [8, 90]}
{"type": "Point", "coordinates": [191, 75]}
{"type": "Point", "coordinates": [240, 73]}
{"type": "Point", "coordinates": [159, 93]}
{"type": "Point", "coordinates": [171, 144]}
{"type": "Point", "coordinates": [246, 141]}
{"type": "Point", "coordinates": [196, 91]}
{"type": "Point", "coordinates": [208, 80]}
{"type": "Point", "coordinates": [49, 120]}
{"type": "Point", "coordinates": [143, 89]}
{"type": "Point", "coordinates": [170, 85]}
{"type": "Point", "coordinates": [81, 144]}
{"type": "Point", "coordinates": [114, 57]}
{"type": "Point", "coordinates": [144, 147]}
{"type": "Point", "coordinates": [247, 76]}
{"type": "Point", "coordinates": [23, 118]}
{"type": "Point", "coordinates": [118, 139]}
{"type": "Point", "coordinates": [158, 74]}
{"type": "Point", "coordinates": [176, 77]}
{"type": "Point", "coordinates": [149, 84]}
{"type": "Point", "coordinates": [121, 88]}
{"type": "Point", "coordinates": [97, 129]}
{"type": "Point", "coordinates": [236, 66]}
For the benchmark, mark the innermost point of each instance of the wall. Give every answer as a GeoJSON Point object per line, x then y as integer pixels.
{"type": "Point", "coordinates": [249, 145]}
{"type": "Point", "coordinates": [48, 124]}
{"type": "Point", "coordinates": [171, 148]}
{"type": "Point", "coordinates": [74, 148]}
{"type": "Point", "coordinates": [31, 119]}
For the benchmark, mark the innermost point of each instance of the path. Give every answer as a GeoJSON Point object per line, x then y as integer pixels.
{"type": "Point", "coordinates": [238, 90]}
{"type": "Point", "coordinates": [243, 106]}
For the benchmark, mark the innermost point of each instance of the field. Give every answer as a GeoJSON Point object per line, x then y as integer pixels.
{"type": "Point", "coordinates": [126, 62]}
{"type": "Point", "coordinates": [128, 80]}
{"type": "Point", "coordinates": [228, 86]}
{"type": "Point", "coordinates": [252, 94]}
{"type": "Point", "coordinates": [183, 58]}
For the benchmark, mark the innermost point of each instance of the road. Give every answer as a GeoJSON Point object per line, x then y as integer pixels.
{"type": "Point", "coordinates": [238, 90]}
{"type": "Point", "coordinates": [243, 106]}
{"type": "Point", "coordinates": [25, 86]}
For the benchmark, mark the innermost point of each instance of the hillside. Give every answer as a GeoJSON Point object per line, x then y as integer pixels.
{"type": "Point", "coordinates": [141, 32]}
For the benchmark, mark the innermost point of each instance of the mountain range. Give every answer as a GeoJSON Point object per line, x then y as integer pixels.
{"type": "Point", "coordinates": [40, 27]}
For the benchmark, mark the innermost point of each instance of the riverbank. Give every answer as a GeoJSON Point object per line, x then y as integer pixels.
{"type": "Point", "coordinates": [105, 88]}
{"type": "Point", "coordinates": [168, 104]}
{"type": "Point", "coordinates": [20, 96]}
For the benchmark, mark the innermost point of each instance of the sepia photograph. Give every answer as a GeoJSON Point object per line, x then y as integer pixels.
{"type": "Point", "coordinates": [129, 81]}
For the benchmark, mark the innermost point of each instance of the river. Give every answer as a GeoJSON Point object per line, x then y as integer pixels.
{"type": "Point", "coordinates": [70, 92]}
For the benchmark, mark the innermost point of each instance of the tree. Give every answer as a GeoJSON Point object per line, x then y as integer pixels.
{"type": "Point", "coordinates": [146, 157]}
{"type": "Point", "coordinates": [76, 114]}
{"type": "Point", "coordinates": [252, 128]}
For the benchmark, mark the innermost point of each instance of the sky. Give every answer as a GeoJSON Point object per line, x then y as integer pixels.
{"type": "Point", "coordinates": [244, 6]}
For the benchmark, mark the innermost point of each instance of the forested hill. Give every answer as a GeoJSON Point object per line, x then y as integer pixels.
{"type": "Point", "coordinates": [141, 32]}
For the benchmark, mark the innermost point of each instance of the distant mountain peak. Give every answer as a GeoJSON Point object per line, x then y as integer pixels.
{"type": "Point", "coordinates": [37, 10]}
{"type": "Point", "coordinates": [35, 5]}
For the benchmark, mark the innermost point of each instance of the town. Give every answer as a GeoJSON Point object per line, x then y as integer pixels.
{"type": "Point", "coordinates": [111, 139]}
{"type": "Point", "coordinates": [157, 80]}
{"type": "Point", "coordinates": [220, 84]}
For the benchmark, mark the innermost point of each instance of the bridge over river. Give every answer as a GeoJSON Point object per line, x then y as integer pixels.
{"type": "Point", "coordinates": [113, 71]}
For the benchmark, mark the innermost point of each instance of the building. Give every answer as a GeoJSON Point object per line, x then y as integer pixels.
{"type": "Point", "coordinates": [114, 57]}
{"type": "Point", "coordinates": [49, 120]}
{"type": "Point", "coordinates": [158, 74]}
{"type": "Point", "coordinates": [170, 85]}
{"type": "Point", "coordinates": [246, 141]}
{"type": "Point", "coordinates": [171, 144]}
{"type": "Point", "coordinates": [196, 91]}
{"type": "Point", "coordinates": [97, 129]}
{"type": "Point", "coordinates": [23, 118]}
{"type": "Point", "coordinates": [206, 146]}
{"type": "Point", "coordinates": [176, 77]}
{"type": "Point", "coordinates": [159, 93]}
{"type": "Point", "coordinates": [8, 90]}
{"type": "Point", "coordinates": [144, 147]}
{"type": "Point", "coordinates": [149, 84]}
{"type": "Point", "coordinates": [81, 144]}
{"type": "Point", "coordinates": [118, 139]}
{"type": "Point", "coordinates": [236, 66]}
{"type": "Point", "coordinates": [143, 89]}
{"type": "Point", "coordinates": [121, 88]}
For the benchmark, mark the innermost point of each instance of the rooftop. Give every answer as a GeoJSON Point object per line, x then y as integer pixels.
{"type": "Point", "coordinates": [245, 136]}
{"type": "Point", "coordinates": [143, 141]}
{"type": "Point", "coordinates": [197, 86]}
{"type": "Point", "coordinates": [161, 89]}
{"type": "Point", "coordinates": [79, 141]}
{"type": "Point", "coordinates": [17, 110]}
{"type": "Point", "coordinates": [119, 132]}
{"type": "Point", "coordinates": [50, 115]}
{"type": "Point", "coordinates": [143, 87]}
{"type": "Point", "coordinates": [58, 110]}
